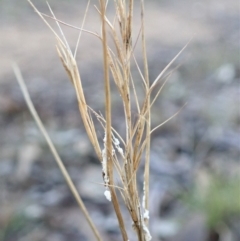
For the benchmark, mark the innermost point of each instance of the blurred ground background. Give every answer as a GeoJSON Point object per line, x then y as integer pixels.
{"type": "Point", "coordinates": [195, 194]}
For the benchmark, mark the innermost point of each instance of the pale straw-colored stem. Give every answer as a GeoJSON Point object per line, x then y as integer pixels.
{"type": "Point", "coordinates": [148, 122]}
{"type": "Point", "coordinates": [108, 123]}
{"type": "Point", "coordinates": [54, 151]}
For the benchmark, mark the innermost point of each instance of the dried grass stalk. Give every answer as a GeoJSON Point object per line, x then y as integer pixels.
{"type": "Point", "coordinates": [122, 154]}
{"type": "Point", "coordinates": [54, 151]}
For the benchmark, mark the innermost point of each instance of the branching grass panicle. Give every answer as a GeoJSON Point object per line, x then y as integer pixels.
{"type": "Point", "coordinates": [115, 152]}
